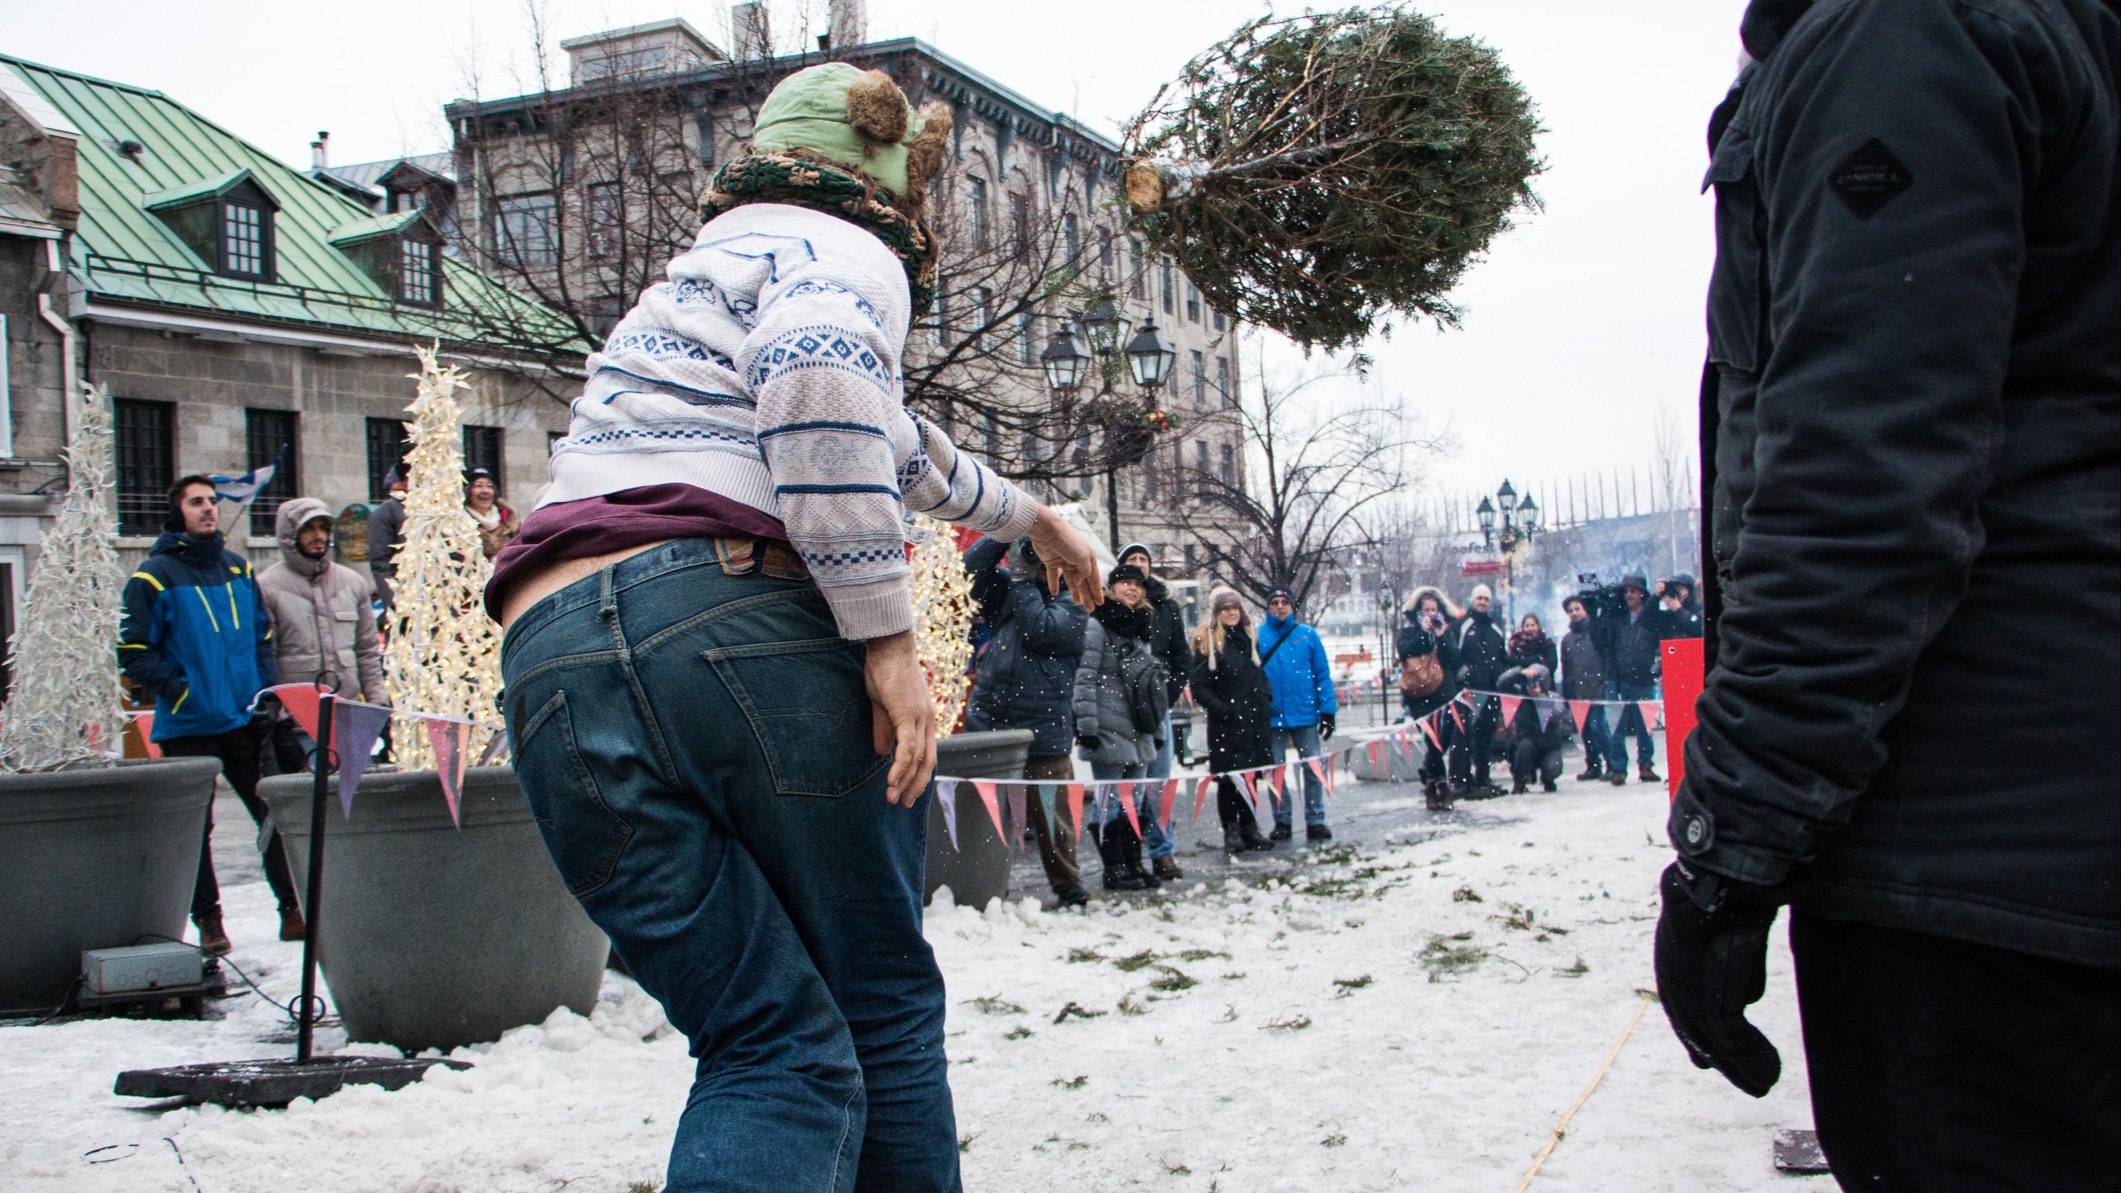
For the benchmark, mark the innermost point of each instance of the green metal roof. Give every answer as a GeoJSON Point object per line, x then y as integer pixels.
{"type": "Point", "coordinates": [374, 226]}
{"type": "Point", "coordinates": [205, 188]}
{"type": "Point", "coordinates": [123, 253]}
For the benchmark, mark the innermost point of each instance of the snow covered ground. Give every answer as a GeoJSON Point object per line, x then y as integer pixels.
{"type": "Point", "coordinates": [1411, 1012]}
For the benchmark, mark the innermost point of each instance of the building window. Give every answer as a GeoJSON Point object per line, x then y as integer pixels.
{"type": "Point", "coordinates": [1149, 479]}
{"type": "Point", "coordinates": [1192, 301]}
{"type": "Point", "coordinates": [982, 315]}
{"type": "Point", "coordinates": [605, 219]}
{"type": "Point", "coordinates": [419, 272]}
{"type": "Point", "coordinates": [1104, 255]}
{"type": "Point", "coordinates": [1170, 288]}
{"type": "Point", "coordinates": [523, 233]}
{"type": "Point", "coordinates": [1136, 285]}
{"type": "Point", "coordinates": [1229, 466]}
{"type": "Point", "coordinates": [387, 445]}
{"type": "Point", "coordinates": [1072, 242]}
{"type": "Point", "coordinates": [1229, 390]}
{"type": "Point", "coordinates": [269, 438]}
{"type": "Point", "coordinates": [1019, 227]}
{"type": "Point", "coordinates": [146, 463]}
{"type": "Point", "coordinates": [976, 201]}
{"type": "Point", "coordinates": [1222, 378]}
{"type": "Point", "coordinates": [1192, 559]}
{"type": "Point", "coordinates": [1026, 339]}
{"type": "Point", "coordinates": [482, 449]}
{"type": "Point", "coordinates": [245, 240]}
{"type": "Point", "coordinates": [1220, 322]}
{"type": "Point", "coordinates": [1200, 378]}
{"type": "Point", "coordinates": [1178, 472]}
{"type": "Point", "coordinates": [993, 437]}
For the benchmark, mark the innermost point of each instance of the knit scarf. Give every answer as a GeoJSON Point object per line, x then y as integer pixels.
{"type": "Point", "coordinates": [800, 179]}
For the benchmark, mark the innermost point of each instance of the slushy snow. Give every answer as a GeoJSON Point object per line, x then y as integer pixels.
{"type": "Point", "coordinates": [1396, 1014]}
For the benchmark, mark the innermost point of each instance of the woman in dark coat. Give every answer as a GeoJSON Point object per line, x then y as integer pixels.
{"type": "Point", "coordinates": [1530, 645]}
{"type": "Point", "coordinates": [1429, 613]}
{"type": "Point", "coordinates": [1230, 687]}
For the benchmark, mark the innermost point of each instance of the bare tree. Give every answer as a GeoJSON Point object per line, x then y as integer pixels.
{"type": "Point", "coordinates": [1315, 489]}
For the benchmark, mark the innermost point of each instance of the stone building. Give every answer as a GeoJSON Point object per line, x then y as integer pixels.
{"type": "Point", "coordinates": [239, 312]}
{"type": "Point", "coordinates": [578, 195]}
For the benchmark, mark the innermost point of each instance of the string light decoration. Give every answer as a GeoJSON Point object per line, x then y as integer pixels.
{"type": "Point", "coordinates": [444, 654]}
{"type": "Point", "coordinates": [67, 708]}
{"type": "Point", "coordinates": [942, 619]}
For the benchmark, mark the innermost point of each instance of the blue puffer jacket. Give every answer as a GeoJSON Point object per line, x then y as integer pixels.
{"type": "Point", "coordinates": [195, 634]}
{"type": "Point", "coordinates": [1299, 672]}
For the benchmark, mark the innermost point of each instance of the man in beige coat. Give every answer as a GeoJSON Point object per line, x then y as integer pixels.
{"type": "Point", "coordinates": [323, 615]}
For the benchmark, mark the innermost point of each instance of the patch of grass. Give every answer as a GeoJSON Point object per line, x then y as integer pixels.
{"type": "Point", "coordinates": [1129, 1005]}
{"type": "Point", "coordinates": [1573, 971]}
{"type": "Point", "coordinates": [1336, 1139]}
{"type": "Point", "coordinates": [1332, 855]}
{"type": "Point", "coordinates": [1466, 894]}
{"type": "Point", "coordinates": [1292, 1023]}
{"type": "Point", "coordinates": [1440, 957]}
{"type": "Point", "coordinates": [1333, 888]}
{"type": "Point", "coordinates": [1019, 1032]}
{"type": "Point", "coordinates": [642, 1187]}
{"type": "Point", "coordinates": [1079, 956]}
{"type": "Point", "coordinates": [1076, 1010]}
{"type": "Point", "coordinates": [1076, 1082]}
{"type": "Point", "coordinates": [1201, 955]}
{"type": "Point", "coordinates": [964, 1142]}
{"type": "Point", "coordinates": [1520, 918]}
{"type": "Point", "coordinates": [1238, 976]}
{"type": "Point", "coordinates": [994, 1005]}
{"type": "Point", "coordinates": [1173, 981]}
{"type": "Point", "coordinates": [1175, 1169]}
{"type": "Point", "coordinates": [1351, 985]}
{"type": "Point", "coordinates": [1141, 960]}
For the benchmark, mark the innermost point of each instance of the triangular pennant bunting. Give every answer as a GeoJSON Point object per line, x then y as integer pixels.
{"type": "Point", "coordinates": [1428, 726]}
{"type": "Point", "coordinates": [355, 726]}
{"type": "Point", "coordinates": [1170, 797]}
{"type": "Point", "coordinates": [1075, 808]}
{"type": "Point", "coordinates": [1018, 815]}
{"type": "Point", "coordinates": [1650, 711]}
{"type": "Point", "coordinates": [300, 701]}
{"type": "Point", "coordinates": [1200, 796]}
{"type": "Point", "coordinates": [451, 741]}
{"type": "Point", "coordinates": [1510, 705]}
{"type": "Point", "coordinates": [994, 809]}
{"type": "Point", "coordinates": [1126, 805]}
{"type": "Point", "coordinates": [1377, 758]}
{"type": "Point", "coordinates": [946, 794]}
{"type": "Point", "coordinates": [1581, 711]}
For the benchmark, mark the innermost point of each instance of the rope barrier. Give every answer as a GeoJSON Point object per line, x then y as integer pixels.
{"type": "Point", "coordinates": [1563, 1125]}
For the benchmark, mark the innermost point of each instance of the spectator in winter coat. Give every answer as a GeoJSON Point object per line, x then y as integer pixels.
{"type": "Point", "coordinates": [386, 533]}
{"type": "Point", "coordinates": [197, 638]}
{"type": "Point", "coordinates": [1530, 645]}
{"type": "Point", "coordinates": [1167, 641]}
{"type": "Point", "coordinates": [1539, 730]}
{"type": "Point", "coordinates": [1631, 676]}
{"type": "Point", "coordinates": [1432, 612]}
{"type": "Point", "coordinates": [1910, 728]}
{"type": "Point", "coordinates": [1682, 612]}
{"type": "Point", "coordinates": [1305, 706]}
{"type": "Point", "coordinates": [1482, 658]}
{"type": "Point", "coordinates": [1230, 687]}
{"type": "Point", "coordinates": [324, 620]}
{"type": "Point", "coordinates": [1583, 678]}
{"type": "Point", "coordinates": [498, 524]}
{"type": "Point", "coordinates": [1120, 707]}
{"type": "Point", "coordinates": [1026, 680]}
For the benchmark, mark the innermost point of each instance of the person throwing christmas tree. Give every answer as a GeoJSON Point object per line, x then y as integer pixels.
{"type": "Point", "coordinates": [713, 698]}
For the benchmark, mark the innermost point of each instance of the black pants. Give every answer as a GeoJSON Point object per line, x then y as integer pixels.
{"type": "Point", "coordinates": [1471, 750]}
{"type": "Point", "coordinates": [1532, 762]}
{"type": "Point", "coordinates": [238, 751]}
{"type": "Point", "coordinates": [1231, 805]}
{"type": "Point", "coordinates": [1939, 1066]}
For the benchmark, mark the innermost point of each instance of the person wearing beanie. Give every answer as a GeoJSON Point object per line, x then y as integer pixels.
{"type": "Point", "coordinates": [386, 529]}
{"type": "Point", "coordinates": [1482, 657]}
{"type": "Point", "coordinates": [1631, 676]}
{"type": "Point", "coordinates": [498, 524]}
{"type": "Point", "coordinates": [1229, 686]}
{"type": "Point", "coordinates": [1305, 707]}
{"type": "Point", "coordinates": [712, 685]}
{"type": "Point", "coordinates": [1167, 641]}
{"type": "Point", "coordinates": [196, 637]}
{"type": "Point", "coordinates": [1121, 711]}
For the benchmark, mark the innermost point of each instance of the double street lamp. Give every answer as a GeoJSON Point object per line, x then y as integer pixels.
{"type": "Point", "coordinates": [1067, 364]}
{"type": "Point", "coordinates": [1519, 522]}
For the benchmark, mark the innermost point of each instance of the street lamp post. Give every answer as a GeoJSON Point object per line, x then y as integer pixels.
{"type": "Point", "coordinates": [1150, 358]}
{"type": "Point", "coordinates": [1519, 522]}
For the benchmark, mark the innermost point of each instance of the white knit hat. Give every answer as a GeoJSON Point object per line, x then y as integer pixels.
{"type": "Point", "coordinates": [1479, 591]}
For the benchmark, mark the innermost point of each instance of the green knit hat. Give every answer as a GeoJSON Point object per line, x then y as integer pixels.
{"type": "Point", "coordinates": [858, 120]}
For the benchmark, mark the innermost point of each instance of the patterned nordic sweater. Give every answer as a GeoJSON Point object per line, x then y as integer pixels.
{"type": "Point", "coordinates": [766, 370]}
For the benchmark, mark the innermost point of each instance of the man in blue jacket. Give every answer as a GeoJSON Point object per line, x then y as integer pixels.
{"type": "Point", "coordinates": [195, 636]}
{"type": "Point", "coordinates": [1304, 705]}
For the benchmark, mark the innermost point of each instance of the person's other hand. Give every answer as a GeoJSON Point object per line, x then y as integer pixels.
{"type": "Point", "coordinates": [1712, 965]}
{"type": "Point", "coordinates": [1086, 741]}
{"type": "Point", "coordinates": [1069, 557]}
{"type": "Point", "coordinates": [902, 715]}
{"type": "Point", "coordinates": [1327, 722]}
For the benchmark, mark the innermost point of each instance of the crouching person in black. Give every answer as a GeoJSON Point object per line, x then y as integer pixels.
{"type": "Point", "coordinates": [1538, 733]}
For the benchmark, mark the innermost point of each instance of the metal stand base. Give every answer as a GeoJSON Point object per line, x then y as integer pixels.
{"type": "Point", "coordinates": [273, 1083]}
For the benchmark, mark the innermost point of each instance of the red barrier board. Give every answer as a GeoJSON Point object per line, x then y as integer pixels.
{"type": "Point", "coordinates": [1682, 686]}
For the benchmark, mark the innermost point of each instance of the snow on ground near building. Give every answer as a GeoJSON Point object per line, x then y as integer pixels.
{"type": "Point", "coordinates": [1412, 1013]}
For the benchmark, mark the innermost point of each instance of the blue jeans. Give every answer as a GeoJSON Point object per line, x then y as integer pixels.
{"type": "Point", "coordinates": [1305, 739]}
{"type": "Point", "coordinates": [693, 738]}
{"type": "Point", "coordinates": [1629, 721]}
{"type": "Point", "coordinates": [1595, 739]}
{"type": "Point", "coordinates": [1106, 772]}
{"type": "Point", "coordinates": [1153, 835]}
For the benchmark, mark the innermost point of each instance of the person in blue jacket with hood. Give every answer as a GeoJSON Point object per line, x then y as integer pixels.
{"type": "Point", "coordinates": [195, 636]}
{"type": "Point", "coordinates": [1304, 705]}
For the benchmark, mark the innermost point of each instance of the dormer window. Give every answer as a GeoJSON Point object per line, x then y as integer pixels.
{"type": "Point", "coordinates": [401, 253]}
{"type": "Point", "coordinates": [227, 220]}
{"type": "Point", "coordinates": [419, 272]}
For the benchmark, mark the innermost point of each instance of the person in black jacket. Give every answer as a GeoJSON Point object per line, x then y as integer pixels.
{"type": "Point", "coordinates": [1167, 641]}
{"type": "Point", "coordinates": [1428, 618]}
{"type": "Point", "coordinates": [1230, 687]}
{"type": "Point", "coordinates": [1682, 609]}
{"type": "Point", "coordinates": [1913, 409]}
{"type": "Point", "coordinates": [1026, 680]}
{"type": "Point", "coordinates": [1583, 678]}
{"type": "Point", "coordinates": [1530, 645]}
{"type": "Point", "coordinates": [1538, 731]}
{"type": "Point", "coordinates": [1634, 638]}
{"type": "Point", "coordinates": [1482, 658]}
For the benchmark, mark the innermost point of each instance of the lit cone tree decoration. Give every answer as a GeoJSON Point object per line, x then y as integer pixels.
{"type": "Point", "coordinates": [66, 706]}
{"type": "Point", "coordinates": [942, 619]}
{"type": "Point", "coordinates": [444, 656]}
{"type": "Point", "coordinates": [1312, 173]}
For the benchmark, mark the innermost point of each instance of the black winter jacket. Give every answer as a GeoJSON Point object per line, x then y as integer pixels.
{"type": "Point", "coordinates": [1167, 636]}
{"type": "Point", "coordinates": [1632, 646]}
{"type": "Point", "coordinates": [1415, 641]}
{"type": "Point", "coordinates": [1915, 403]}
{"type": "Point", "coordinates": [1582, 665]}
{"type": "Point", "coordinates": [1239, 703]}
{"type": "Point", "coordinates": [1482, 653]}
{"type": "Point", "coordinates": [1026, 678]}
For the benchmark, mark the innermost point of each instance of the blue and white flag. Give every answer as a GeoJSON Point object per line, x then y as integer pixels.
{"type": "Point", "coordinates": [240, 489]}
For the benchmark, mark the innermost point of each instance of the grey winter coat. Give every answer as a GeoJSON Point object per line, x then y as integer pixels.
{"type": "Point", "coordinates": [1101, 709]}
{"type": "Point", "coordinates": [313, 602]}
{"type": "Point", "coordinates": [1582, 666]}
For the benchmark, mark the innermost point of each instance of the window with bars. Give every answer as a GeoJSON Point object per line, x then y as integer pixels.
{"type": "Point", "coordinates": [146, 463]}
{"type": "Point", "coordinates": [1019, 226]}
{"type": "Point", "coordinates": [244, 240]}
{"type": "Point", "coordinates": [1200, 378]}
{"type": "Point", "coordinates": [387, 445]}
{"type": "Point", "coordinates": [482, 449]}
{"type": "Point", "coordinates": [1104, 255]}
{"type": "Point", "coordinates": [419, 272]}
{"type": "Point", "coordinates": [524, 235]}
{"type": "Point", "coordinates": [1150, 486]}
{"type": "Point", "coordinates": [982, 315]}
{"type": "Point", "coordinates": [269, 437]}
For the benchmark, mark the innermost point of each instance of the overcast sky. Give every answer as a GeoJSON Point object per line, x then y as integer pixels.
{"type": "Point", "coordinates": [1582, 321]}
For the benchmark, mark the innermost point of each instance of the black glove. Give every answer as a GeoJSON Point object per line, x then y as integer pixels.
{"type": "Point", "coordinates": [1326, 726]}
{"type": "Point", "coordinates": [1086, 741]}
{"type": "Point", "coordinates": [1712, 965]}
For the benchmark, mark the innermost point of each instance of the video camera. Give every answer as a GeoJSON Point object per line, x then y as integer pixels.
{"type": "Point", "coordinates": [1605, 605]}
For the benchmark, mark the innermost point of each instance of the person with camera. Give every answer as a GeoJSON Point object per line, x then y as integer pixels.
{"type": "Point", "coordinates": [1483, 655]}
{"type": "Point", "coordinates": [1633, 663]}
{"type": "Point", "coordinates": [1533, 742]}
{"type": "Point", "coordinates": [1120, 716]}
{"type": "Point", "coordinates": [1583, 678]}
{"type": "Point", "coordinates": [1428, 669]}
{"type": "Point", "coordinates": [1682, 612]}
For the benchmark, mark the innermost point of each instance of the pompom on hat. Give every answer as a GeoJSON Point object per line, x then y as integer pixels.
{"type": "Point", "coordinates": [858, 120]}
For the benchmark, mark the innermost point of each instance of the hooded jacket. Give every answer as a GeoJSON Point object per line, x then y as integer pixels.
{"type": "Point", "coordinates": [1026, 674]}
{"type": "Point", "coordinates": [1414, 641]}
{"type": "Point", "coordinates": [1914, 403]}
{"type": "Point", "coordinates": [1294, 659]}
{"type": "Point", "coordinates": [1102, 709]}
{"type": "Point", "coordinates": [322, 616]}
{"type": "Point", "coordinates": [196, 636]}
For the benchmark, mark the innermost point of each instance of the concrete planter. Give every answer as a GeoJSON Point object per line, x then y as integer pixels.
{"type": "Point", "coordinates": [433, 936]}
{"type": "Point", "coordinates": [91, 859]}
{"type": "Point", "coordinates": [978, 869]}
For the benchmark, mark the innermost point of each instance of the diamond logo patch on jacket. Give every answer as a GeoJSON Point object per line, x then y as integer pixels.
{"type": "Point", "coordinates": [1870, 178]}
